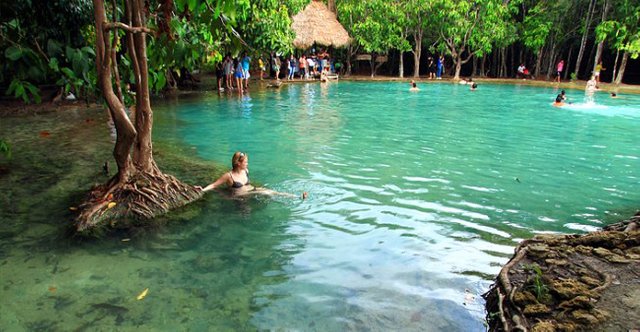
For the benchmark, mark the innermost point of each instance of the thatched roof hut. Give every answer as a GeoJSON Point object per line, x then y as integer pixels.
{"type": "Point", "coordinates": [317, 24]}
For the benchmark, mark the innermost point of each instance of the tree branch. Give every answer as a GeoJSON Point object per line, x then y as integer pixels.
{"type": "Point", "coordinates": [119, 25]}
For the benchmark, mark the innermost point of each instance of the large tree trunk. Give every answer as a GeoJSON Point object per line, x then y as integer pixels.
{"type": "Point", "coordinates": [417, 52]}
{"type": "Point", "coordinates": [513, 58]}
{"type": "Point", "coordinates": [585, 34]}
{"type": "Point", "coordinates": [566, 72]}
{"type": "Point", "coordinates": [596, 60]}
{"type": "Point", "coordinates": [550, 65]}
{"type": "Point", "coordinates": [142, 152]}
{"type": "Point", "coordinates": [401, 66]}
{"type": "Point", "coordinates": [590, 58]}
{"type": "Point", "coordinates": [623, 66]}
{"type": "Point", "coordinates": [538, 62]}
{"type": "Point", "coordinates": [139, 190]}
{"type": "Point", "coordinates": [615, 66]}
{"type": "Point", "coordinates": [456, 75]}
{"type": "Point", "coordinates": [372, 64]}
{"type": "Point", "coordinates": [125, 130]}
{"type": "Point", "coordinates": [503, 67]}
{"type": "Point", "coordinates": [474, 66]}
{"type": "Point", "coordinates": [350, 53]}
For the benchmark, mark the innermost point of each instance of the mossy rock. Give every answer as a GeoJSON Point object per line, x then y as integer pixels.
{"type": "Point", "coordinates": [569, 327]}
{"type": "Point", "coordinates": [538, 249]}
{"type": "Point", "coordinates": [545, 326]}
{"type": "Point", "coordinates": [633, 251]}
{"type": "Point", "coordinates": [587, 317]}
{"type": "Point", "coordinates": [568, 289]}
{"type": "Point", "coordinates": [536, 310]}
{"type": "Point", "coordinates": [589, 281]}
{"type": "Point", "coordinates": [578, 302]}
{"type": "Point", "coordinates": [524, 298]}
{"type": "Point", "coordinates": [559, 262]}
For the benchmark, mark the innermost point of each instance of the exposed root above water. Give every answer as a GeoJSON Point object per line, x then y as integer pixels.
{"type": "Point", "coordinates": [570, 283]}
{"type": "Point", "coordinates": [142, 197]}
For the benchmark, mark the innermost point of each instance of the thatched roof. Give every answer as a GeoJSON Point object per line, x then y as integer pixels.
{"type": "Point", "coordinates": [317, 24]}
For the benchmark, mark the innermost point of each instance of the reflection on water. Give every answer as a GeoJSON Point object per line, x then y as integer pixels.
{"type": "Point", "coordinates": [415, 201]}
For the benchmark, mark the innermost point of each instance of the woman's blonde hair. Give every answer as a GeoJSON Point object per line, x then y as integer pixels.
{"type": "Point", "coordinates": [237, 159]}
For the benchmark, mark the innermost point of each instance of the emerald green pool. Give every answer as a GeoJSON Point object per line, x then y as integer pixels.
{"type": "Point", "coordinates": [416, 199]}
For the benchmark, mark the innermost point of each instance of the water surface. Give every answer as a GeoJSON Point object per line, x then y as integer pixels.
{"type": "Point", "coordinates": [415, 201]}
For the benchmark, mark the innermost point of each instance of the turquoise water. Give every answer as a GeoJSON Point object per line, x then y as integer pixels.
{"type": "Point", "coordinates": [415, 202]}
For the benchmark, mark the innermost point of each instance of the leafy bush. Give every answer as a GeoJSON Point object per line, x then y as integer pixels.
{"type": "Point", "coordinates": [38, 39]}
{"type": "Point", "coordinates": [5, 148]}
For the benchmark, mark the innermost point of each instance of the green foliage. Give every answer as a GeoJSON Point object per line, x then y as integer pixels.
{"type": "Point", "coordinates": [24, 90]}
{"type": "Point", "coordinates": [536, 283]}
{"type": "Point", "coordinates": [623, 30]}
{"type": "Point", "coordinates": [81, 75]}
{"type": "Point", "coordinates": [536, 28]}
{"type": "Point", "coordinates": [5, 148]}
{"type": "Point", "coordinates": [375, 24]}
{"type": "Point", "coordinates": [270, 26]}
{"type": "Point", "coordinates": [33, 34]}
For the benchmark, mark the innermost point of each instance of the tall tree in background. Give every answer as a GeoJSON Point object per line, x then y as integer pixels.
{"type": "Point", "coordinates": [469, 28]}
{"type": "Point", "coordinates": [588, 18]}
{"type": "Point", "coordinates": [536, 28]}
{"type": "Point", "coordinates": [420, 21]}
{"type": "Point", "coordinates": [377, 31]}
{"type": "Point", "coordinates": [624, 31]}
{"type": "Point", "coordinates": [606, 5]}
{"type": "Point", "coordinates": [400, 31]}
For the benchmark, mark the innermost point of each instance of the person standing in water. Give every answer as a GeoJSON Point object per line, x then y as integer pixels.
{"type": "Point", "coordinates": [590, 89]}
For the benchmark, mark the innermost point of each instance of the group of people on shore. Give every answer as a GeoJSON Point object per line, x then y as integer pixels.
{"type": "Point", "coordinates": [233, 73]}
{"type": "Point", "coordinates": [435, 67]}
{"type": "Point", "coordinates": [309, 65]}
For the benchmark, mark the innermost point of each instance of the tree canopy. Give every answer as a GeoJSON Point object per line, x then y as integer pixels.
{"type": "Point", "coordinates": [51, 42]}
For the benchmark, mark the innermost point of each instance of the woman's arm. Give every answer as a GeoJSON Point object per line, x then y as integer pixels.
{"type": "Point", "coordinates": [226, 177]}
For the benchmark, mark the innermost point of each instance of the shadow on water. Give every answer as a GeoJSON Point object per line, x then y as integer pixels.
{"type": "Point", "coordinates": [202, 264]}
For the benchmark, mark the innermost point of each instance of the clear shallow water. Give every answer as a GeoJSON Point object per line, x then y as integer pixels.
{"type": "Point", "coordinates": [415, 201]}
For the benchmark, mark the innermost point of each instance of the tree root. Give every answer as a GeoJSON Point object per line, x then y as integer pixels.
{"type": "Point", "coordinates": [144, 196]}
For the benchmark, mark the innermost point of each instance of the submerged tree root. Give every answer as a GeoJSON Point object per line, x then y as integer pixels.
{"type": "Point", "coordinates": [143, 197]}
{"type": "Point", "coordinates": [555, 283]}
